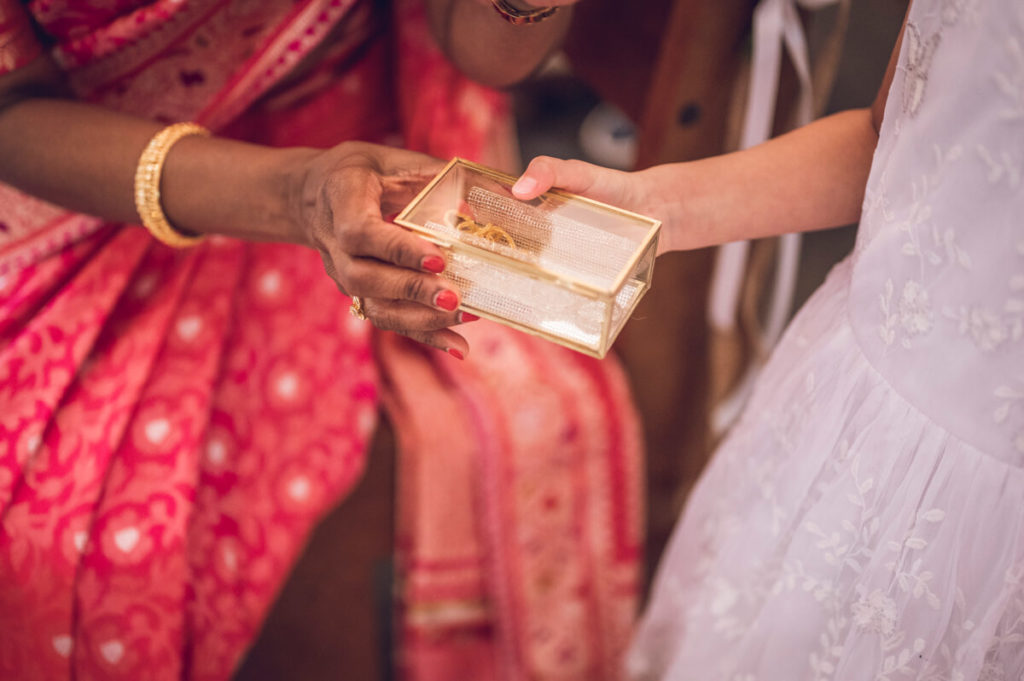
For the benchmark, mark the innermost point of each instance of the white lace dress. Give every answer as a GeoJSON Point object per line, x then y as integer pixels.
{"type": "Point", "coordinates": [865, 520]}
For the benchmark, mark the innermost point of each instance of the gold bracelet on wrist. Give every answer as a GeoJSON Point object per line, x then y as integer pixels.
{"type": "Point", "coordinates": [520, 17]}
{"type": "Point", "coordinates": [147, 184]}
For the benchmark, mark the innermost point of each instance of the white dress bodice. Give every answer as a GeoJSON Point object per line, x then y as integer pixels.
{"type": "Point", "coordinates": [864, 520]}
{"type": "Point", "coordinates": [937, 293]}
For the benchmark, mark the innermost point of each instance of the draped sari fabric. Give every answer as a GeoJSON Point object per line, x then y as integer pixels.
{"type": "Point", "coordinates": [172, 423]}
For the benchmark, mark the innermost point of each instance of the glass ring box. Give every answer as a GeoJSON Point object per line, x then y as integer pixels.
{"type": "Point", "coordinates": [561, 266]}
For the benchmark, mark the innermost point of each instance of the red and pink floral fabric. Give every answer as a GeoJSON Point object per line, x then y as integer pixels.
{"type": "Point", "coordinates": [172, 423]}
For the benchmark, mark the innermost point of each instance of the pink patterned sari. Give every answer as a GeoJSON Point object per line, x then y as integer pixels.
{"type": "Point", "coordinates": [172, 423]}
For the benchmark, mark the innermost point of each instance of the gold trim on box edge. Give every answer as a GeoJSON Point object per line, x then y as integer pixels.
{"type": "Point", "coordinates": [550, 337]}
{"type": "Point", "coordinates": [652, 233]}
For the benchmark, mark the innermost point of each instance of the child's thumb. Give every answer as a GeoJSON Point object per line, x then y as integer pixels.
{"type": "Point", "coordinates": [545, 172]}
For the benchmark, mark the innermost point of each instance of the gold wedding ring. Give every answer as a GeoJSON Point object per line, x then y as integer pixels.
{"type": "Point", "coordinates": [489, 231]}
{"type": "Point", "coordinates": [356, 309]}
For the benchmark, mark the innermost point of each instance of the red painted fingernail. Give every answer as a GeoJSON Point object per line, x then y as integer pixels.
{"type": "Point", "coordinates": [433, 263]}
{"type": "Point", "coordinates": [455, 353]}
{"type": "Point", "coordinates": [467, 317]}
{"type": "Point", "coordinates": [446, 300]}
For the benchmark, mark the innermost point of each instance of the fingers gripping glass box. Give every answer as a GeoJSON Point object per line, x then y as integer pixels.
{"type": "Point", "coordinates": [561, 266]}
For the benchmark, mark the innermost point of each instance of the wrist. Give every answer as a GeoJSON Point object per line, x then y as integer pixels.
{"type": "Point", "coordinates": [293, 185]}
{"type": "Point", "coordinates": [237, 189]}
{"type": "Point", "coordinates": [667, 192]}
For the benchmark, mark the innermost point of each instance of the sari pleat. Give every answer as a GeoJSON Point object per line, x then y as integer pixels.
{"type": "Point", "coordinates": [140, 522]}
{"type": "Point", "coordinates": [537, 582]}
{"type": "Point", "coordinates": [26, 291]}
{"type": "Point", "coordinates": [292, 412]}
{"type": "Point", "coordinates": [42, 361]}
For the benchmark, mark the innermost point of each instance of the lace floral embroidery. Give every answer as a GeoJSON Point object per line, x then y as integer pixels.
{"type": "Point", "coordinates": [876, 612]}
{"type": "Point", "coordinates": [1010, 82]}
{"type": "Point", "coordinates": [919, 60]}
{"type": "Point", "coordinates": [911, 315]}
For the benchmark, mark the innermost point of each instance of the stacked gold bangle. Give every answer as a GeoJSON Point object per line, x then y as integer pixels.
{"type": "Point", "coordinates": [520, 17]}
{"type": "Point", "coordinates": [147, 184]}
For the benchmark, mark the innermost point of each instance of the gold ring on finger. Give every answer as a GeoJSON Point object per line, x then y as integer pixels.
{"type": "Point", "coordinates": [356, 308]}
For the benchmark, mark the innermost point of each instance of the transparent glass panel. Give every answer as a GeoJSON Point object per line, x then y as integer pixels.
{"type": "Point", "coordinates": [536, 303]}
{"type": "Point", "coordinates": [561, 266]}
{"type": "Point", "coordinates": [631, 293]}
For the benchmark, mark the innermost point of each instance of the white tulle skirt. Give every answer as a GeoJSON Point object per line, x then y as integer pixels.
{"type": "Point", "coordinates": [840, 534]}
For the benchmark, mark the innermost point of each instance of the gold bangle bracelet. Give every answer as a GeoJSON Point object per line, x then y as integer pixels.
{"type": "Point", "coordinates": [521, 17]}
{"type": "Point", "coordinates": [147, 184]}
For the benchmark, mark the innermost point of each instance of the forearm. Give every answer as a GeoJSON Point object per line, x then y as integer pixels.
{"type": "Point", "coordinates": [487, 48]}
{"type": "Point", "coordinates": [332, 200]}
{"type": "Point", "coordinates": [84, 158]}
{"type": "Point", "coordinates": [811, 178]}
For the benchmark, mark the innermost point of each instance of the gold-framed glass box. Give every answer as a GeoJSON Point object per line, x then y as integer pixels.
{"type": "Point", "coordinates": [563, 267]}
